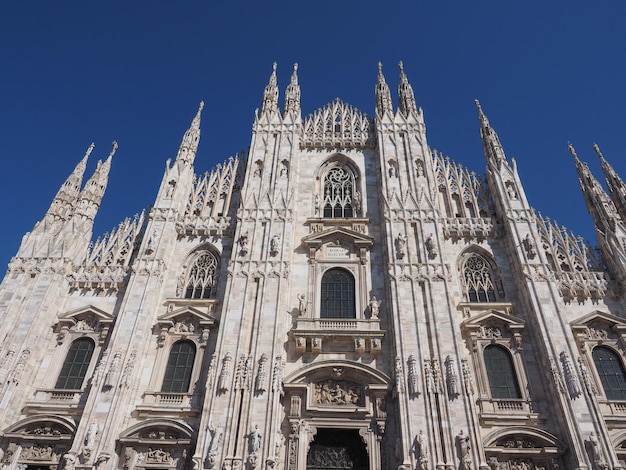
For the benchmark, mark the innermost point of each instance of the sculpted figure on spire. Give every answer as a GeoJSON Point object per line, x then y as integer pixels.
{"type": "Point", "coordinates": [405, 94]}
{"type": "Point", "coordinates": [270, 95]}
{"type": "Point", "coordinates": [292, 94]}
{"type": "Point", "coordinates": [383, 95]}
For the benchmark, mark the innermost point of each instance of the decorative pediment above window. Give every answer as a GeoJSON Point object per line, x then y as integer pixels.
{"type": "Point", "coordinates": [599, 327]}
{"type": "Point", "coordinates": [185, 322]}
{"type": "Point", "coordinates": [88, 320]}
{"type": "Point", "coordinates": [338, 243]}
{"type": "Point", "coordinates": [494, 326]}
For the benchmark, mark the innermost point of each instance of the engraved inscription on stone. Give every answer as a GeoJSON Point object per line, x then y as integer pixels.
{"type": "Point", "coordinates": [337, 252]}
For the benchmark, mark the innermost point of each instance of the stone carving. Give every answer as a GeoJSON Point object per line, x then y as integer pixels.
{"type": "Point", "coordinates": [243, 244]}
{"type": "Point", "coordinates": [277, 378]}
{"type": "Point", "coordinates": [274, 244]}
{"type": "Point", "coordinates": [571, 377]}
{"type": "Point", "coordinates": [295, 406]}
{"type": "Point", "coordinates": [63, 332]}
{"type": "Point", "coordinates": [302, 304]}
{"type": "Point", "coordinates": [510, 190]}
{"type": "Point", "coordinates": [437, 376]}
{"type": "Point", "coordinates": [69, 461]}
{"type": "Point", "coordinates": [241, 373]}
{"type": "Point", "coordinates": [20, 365]}
{"type": "Point", "coordinates": [374, 307]}
{"type": "Point", "coordinates": [261, 382]}
{"type": "Point", "coordinates": [587, 380]}
{"type": "Point", "coordinates": [258, 168]}
{"type": "Point", "coordinates": [211, 371]}
{"type": "Point", "coordinates": [413, 379]}
{"type": "Point", "coordinates": [357, 203]}
{"type": "Point", "coordinates": [400, 246]}
{"type": "Point", "coordinates": [338, 392]}
{"type": "Point", "coordinates": [317, 203]}
{"type": "Point", "coordinates": [452, 378]}
{"type": "Point", "coordinates": [5, 365]}
{"type": "Point", "coordinates": [596, 333]}
{"type": "Point", "coordinates": [223, 382]}
{"type": "Point", "coordinates": [431, 249]}
{"type": "Point", "coordinates": [465, 447]}
{"type": "Point", "coordinates": [128, 369]}
{"type": "Point", "coordinates": [493, 332]}
{"type": "Point", "coordinates": [39, 452]}
{"type": "Point", "coordinates": [113, 374]}
{"type": "Point", "coordinates": [557, 376]}
{"type": "Point", "coordinates": [598, 454]}
{"type": "Point", "coordinates": [90, 439]}
{"type": "Point", "coordinates": [529, 246]}
{"type": "Point", "coordinates": [183, 326]}
{"type": "Point", "coordinates": [398, 376]}
{"type": "Point", "coordinates": [254, 439]}
{"type": "Point", "coordinates": [216, 438]}
{"type": "Point", "coordinates": [421, 448]}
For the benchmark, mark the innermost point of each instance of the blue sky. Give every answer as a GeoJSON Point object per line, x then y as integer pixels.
{"type": "Point", "coordinates": [546, 73]}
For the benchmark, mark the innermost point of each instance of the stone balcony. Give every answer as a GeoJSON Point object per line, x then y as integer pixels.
{"type": "Point", "coordinates": [318, 335]}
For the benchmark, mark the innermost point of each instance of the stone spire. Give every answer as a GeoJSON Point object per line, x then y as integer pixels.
{"type": "Point", "coordinates": [270, 95]}
{"type": "Point", "coordinates": [405, 94]}
{"type": "Point", "coordinates": [617, 188]}
{"type": "Point", "coordinates": [383, 95]}
{"type": "Point", "coordinates": [91, 196]}
{"type": "Point", "coordinates": [598, 202]}
{"type": "Point", "coordinates": [63, 203]}
{"type": "Point", "coordinates": [491, 142]}
{"type": "Point", "coordinates": [189, 145]}
{"type": "Point", "coordinates": [292, 94]}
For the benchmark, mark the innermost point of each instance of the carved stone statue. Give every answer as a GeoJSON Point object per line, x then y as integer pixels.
{"type": "Point", "coordinates": [400, 246]}
{"type": "Point", "coordinates": [254, 443]}
{"type": "Point", "coordinates": [465, 447]}
{"type": "Point", "coordinates": [274, 244]}
{"type": "Point", "coordinates": [374, 307]}
{"type": "Point", "coordinates": [422, 448]}
{"type": "Point", "coordinates": [302, 304]}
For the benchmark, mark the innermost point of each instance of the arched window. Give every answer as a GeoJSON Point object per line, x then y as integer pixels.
{"type": "Point", "coordinates": [611, 372]}
{"type": "Point", "coordinates": [501, 373]}
{"type": "Point", "coordinates": [201, 278]}
{"type": "Point", "coordinates": [179, 367]}
{"type": "Point", "coordinates": [337, 299]}
{"type": "Point", "coordinates": [75, 365]}
{"type": "Point", "coordinates": [341, 198]}
{"type": "Point", "coordinates": [478, 279]}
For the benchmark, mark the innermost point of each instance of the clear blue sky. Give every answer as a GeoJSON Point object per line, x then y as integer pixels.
{"type": "Point", "coordinates": [546, 72]}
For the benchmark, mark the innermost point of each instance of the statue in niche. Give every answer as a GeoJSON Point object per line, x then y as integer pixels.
{"type": "Point", "coordinates": [357, 203]}
{"type": "Point", "coordinates": [430, 246]}
{"type": "Point", "coordinates": [400, 246]}
{"type": "Point", "coordinates": [420, 169]}
{"type": "Point", "coordinates": [243, 243]}
{"type": "Point", "coordinates": [510, 190]}
{"type": "Point", "coordinates": [465, 447]}
{"type": "Point", "coordinates": [254, 443]}
{"type": "Point", "coordinates": [258, 168]}
{"type": "Point", "coordinates": [317, 204]}
{"type": "Point", "coordinates": [302, 304]}
{"type": "Point", "coordinates": [374, 307]}
{"type": "Point", "coordinates": [275, 240]}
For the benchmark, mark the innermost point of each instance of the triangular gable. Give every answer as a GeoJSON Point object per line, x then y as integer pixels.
{"type": "Point", "coordinates": [599, 320]}
{"type": "Point", "coordinates": [494, 317]}
{"type": "Point", "coordinates": [319, 238]}
{"type": "Point", "coordinates": [184, 314]}
{"type": "Point", "coordinates": [88, 313]}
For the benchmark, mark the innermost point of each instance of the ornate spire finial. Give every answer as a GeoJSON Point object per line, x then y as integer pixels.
{"type": "Point", "coordinates": [405, 91]}
{"type": "Point", "coordinates": [113, 149]}
{"type": "Point", "coordinates": [570, 147]}
{"type": "Point", "coordinates": [189, 145]}
{"type": "Point", "coordinates": [491, 142]}
{"type": "Point", "coordinates": [292, 94]}
{"type": "Point", "coordinates": [597, 149]}
{"type": "Point", "coordinates": [383, 95]}
{"type": "Point", "coordinates": [270, 94]}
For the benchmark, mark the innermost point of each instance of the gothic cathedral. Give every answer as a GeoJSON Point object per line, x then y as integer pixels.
{"type": "Point", "coordinates": [340, 296]}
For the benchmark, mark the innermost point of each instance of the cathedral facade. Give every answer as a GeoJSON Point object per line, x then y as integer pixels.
{"type": "Point", "coordinates": [338, 297]}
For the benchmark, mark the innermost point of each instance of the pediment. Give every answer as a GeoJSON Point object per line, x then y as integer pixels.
{"type": "Point", "coordinates": [42, 427]}
{"type": "Point", "coordinates": [332, 234]}
{"type": "Point", "coordinates": [185, 319]}
{"type": "Point", "coordinates": [597, 321]}
{"type": "Point", "coordinates": [163, 431]}
{"type": "Point", "coordinates": [495, 318]}
{"type": "Point", "coordinates": [86, 318]}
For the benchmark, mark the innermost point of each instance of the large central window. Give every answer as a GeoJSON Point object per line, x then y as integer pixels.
{"type": "Point", "coordinates": [337, 300]}
{"type": "Point", "coordinates": [339, 194]}
{"type": "Point", "coordinates": [611, 372]}
{"type": "Point", "coordinates": [501, 373]}
{"type": "Point", "coordinates": [179, 367]}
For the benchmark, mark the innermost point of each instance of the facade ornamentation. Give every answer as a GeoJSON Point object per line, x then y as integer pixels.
{"type": "Point", "coordinates": [465, 448]}
{"type": "Point", "coordinates": [338, 392]}
{"type": "Point", "coordinates": [20, 365]}
{"type": "Point", "coordinates": [261, 382]}
{"type": "Point", "coordinates": [413, 378]}
{"type": "Point", "coordinates": [468, 382]}
{"type": "Point", "coordinates": [223, 383]}
{"type": "Point", "coordinates": [452, 378]}
{"type": "Point", "coordinates": [113, 374]}
{"type": "Point", "coordinates": [399, 376]}
{"type": "Point", "coordinates": [571, 376]}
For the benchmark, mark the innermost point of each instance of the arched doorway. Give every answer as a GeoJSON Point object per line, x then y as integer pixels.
{"type": "Point", "coordinates": [337, 449]}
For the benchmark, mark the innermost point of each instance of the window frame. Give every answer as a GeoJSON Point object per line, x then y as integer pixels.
{"type": "Point", "coordinates": [498, 295]}
{"type": "Point", "coordinates": [184, 279]}
{"type": "Point", "coordinates": [513, 380]}
{"type": "Point", "coordinates": [86, 365]}
{"type": "Point", "coordinates": [356, 200]}
{"type": "Point", "coordinates": [188, 368]}
{"type": "Point", "coordinates": [350, 303]}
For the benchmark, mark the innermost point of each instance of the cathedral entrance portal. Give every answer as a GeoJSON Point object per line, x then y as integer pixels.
{"type": "Point", "coordinates": [337, 449]}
